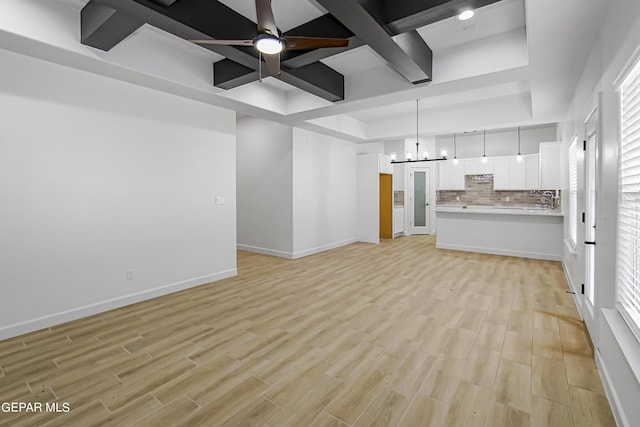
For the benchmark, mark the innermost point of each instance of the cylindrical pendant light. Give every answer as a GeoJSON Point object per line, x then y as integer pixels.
{"type": "Point", "coordinates": [484, 159]}
{"type": "Point", "coordinates": [519, 156]}
{"type": "Point", "coordinates": [455, 152]}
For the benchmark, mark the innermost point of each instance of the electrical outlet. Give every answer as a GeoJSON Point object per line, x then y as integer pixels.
{"type": "Point", "coordinates": [457, 198]}
{"type": "Point", "coordinates": [508, 199]}
{"type": "Point", "coordinates": [130, 274]}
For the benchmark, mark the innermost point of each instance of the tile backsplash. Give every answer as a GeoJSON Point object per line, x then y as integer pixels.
{"type": "Point", "coordinates": [479, 191]}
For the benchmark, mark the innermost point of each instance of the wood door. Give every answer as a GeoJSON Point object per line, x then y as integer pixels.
{"type": "Point", "coordinates": [386, 206]}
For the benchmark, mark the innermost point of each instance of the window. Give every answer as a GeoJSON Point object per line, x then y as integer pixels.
{"type": "Point", "coordinates": [628, 243]}
{"type": "Point", "coordinates": [573, 192]}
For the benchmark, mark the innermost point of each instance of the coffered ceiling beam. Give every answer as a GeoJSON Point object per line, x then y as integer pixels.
{"type": "Point", "coordinates": [397, 17]}
{"type": "Point", "coordinates": [315, 78]}
{"type": "Point", "coordinates": [201, 19]}
{"type": "Point", "coordinates": [407, 58]}
{"type": "Point", "coordinates": [322, 26]}
{"type": "Point", "coordinates": [408, 15]}
{"type": "Point", "coordinates": [103, 27]}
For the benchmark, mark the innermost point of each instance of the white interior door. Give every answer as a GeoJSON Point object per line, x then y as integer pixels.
{"type": "Point", "coordinates": [419, 209]}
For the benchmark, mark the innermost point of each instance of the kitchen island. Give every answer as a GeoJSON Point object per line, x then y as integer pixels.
{"type": "Point", "coordinates": [522, 232]}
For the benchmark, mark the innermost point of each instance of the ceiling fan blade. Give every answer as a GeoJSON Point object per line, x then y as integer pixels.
{"type": "Point", "coordinates": [266, 22]}
{"type": "Point", "coordinates": [300, 43]}
{"type": "Point", "coordinates": [224, 42]}
{"type": "Point", "coordinates": [273, 64]}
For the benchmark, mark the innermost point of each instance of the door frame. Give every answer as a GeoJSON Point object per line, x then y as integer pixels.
{"type": "Point", "coordinates": [429, 196]}
{"type": "Point", "coordinates": [592, 137]}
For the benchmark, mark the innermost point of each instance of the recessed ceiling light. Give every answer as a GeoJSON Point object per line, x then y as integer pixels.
{"type": "Point", "coordinates": [467, 14]}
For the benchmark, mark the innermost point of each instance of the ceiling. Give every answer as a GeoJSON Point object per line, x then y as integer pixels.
{"type": "Point", "coordinates": [514, 63]}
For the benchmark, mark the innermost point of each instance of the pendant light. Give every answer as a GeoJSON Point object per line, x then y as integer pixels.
{"type": "Point", "coordinates": [519, 156]}
{"type": "Point", "coordinates": [425, 154]}
{"type": "Point", "coordinates": [484, 159]}
{"type": "Point", "coordinates": [455, 152]}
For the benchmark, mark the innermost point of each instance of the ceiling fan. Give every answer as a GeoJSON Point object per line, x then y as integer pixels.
{"type": "Point", "coordinates": [270, 43]}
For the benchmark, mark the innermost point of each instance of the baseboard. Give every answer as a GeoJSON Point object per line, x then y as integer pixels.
{"type": "Point", "coordinates": [572, 286]}
{"type": "Point", "coordinates": [322, 248]}
{"type": "Point", "coordinates": [504, 252]}
{"type": "Point", "coordinates": [265, 251]}
{"type": "Point", "coordinates": [621, 420]}
{"type": "Point", "coordinates": [102, 306]}
{"type": "Point", "coordinates": [295, 255]}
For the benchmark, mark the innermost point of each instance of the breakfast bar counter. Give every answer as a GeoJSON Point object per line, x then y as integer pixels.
{"type": "Point", "coordinates": [522, 232]}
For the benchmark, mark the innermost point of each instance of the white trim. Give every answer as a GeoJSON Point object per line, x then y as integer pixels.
{"type": "Point", "coordinates": [612, 396]}
{"type": "Point", "coordinates": [629, 348]}
{"type": "Point", "coordinates": [323, 248]}
{"type": "Point", "coordinates": [572, 286]}
{"type": "Point", "coordinates": [570, 247]}
{"type": "Point", "coordinates": [629, 345]}
{"type": "Point", "coordinates": [299, 254]}
{"type": "Point", "coordinates": [265, 251]}
{"type": "Point", "coordinates": [102, 306]}
{"type": "Point", "coordinates": [626, 69]}
{"type": "Point", "coordinates": [492, 251]}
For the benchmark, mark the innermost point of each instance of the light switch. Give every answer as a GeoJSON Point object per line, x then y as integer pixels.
{"type": "Point", "coordinates": [219, 200]}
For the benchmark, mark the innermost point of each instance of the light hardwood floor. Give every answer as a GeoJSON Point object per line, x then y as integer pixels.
{"type": "Point", "coordinates": [397, 334]}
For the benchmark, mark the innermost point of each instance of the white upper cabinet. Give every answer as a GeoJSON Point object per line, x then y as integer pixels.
{"type": "Point", "coordinates": [486, 168]}
{"type": "Point", "coordinates": [457, 177]}
{"type": "Point", "coordinates": [516, 174]}
{"type": "Point", "coordinates": [444, 170]}
{"type": "Point", "coordinates": [531, 172]}
{"type": "Point", "coordinates": [501, 174]}
{"type": "Point", "coordinates": [471, 167]}
{"type": "Point", "coordinates": [476, 167]}
{"type": "Point", "coordinates": [509, 174]}
{"type": "Point", "coordinates": [551, 166]}
{"type": "Point", "coordinates": [451, 176]}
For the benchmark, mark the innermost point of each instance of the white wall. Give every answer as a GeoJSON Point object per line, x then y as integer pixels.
{"type": "Point", "coordinates": [503, 142]}
{"type": "Point", "coordinates": [618, 353]}
{"type": "Point", "coordinates": [98, 177]}
{"type": "Point", "coordinates": [265, 168]}
{"type": "Point", "coordinates": [370, 148]}
{"type": "Point", "coordinates": [324, 192]}
{"type": "Point", "coordinates": [296, 190]}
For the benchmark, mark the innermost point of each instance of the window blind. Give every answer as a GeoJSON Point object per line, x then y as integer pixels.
{"type": "Point", "coordinates": [573, 191]}
{"type": "Point", "coordinates": [628, 244]}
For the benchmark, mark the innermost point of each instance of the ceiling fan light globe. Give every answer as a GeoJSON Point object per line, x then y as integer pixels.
{"type": "Point", "coordinates": [466, 14]}
{"type": "Point", "coordinates": [269, 45]}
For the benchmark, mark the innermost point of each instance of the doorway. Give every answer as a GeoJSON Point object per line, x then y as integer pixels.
{"type": "Point", "coordinates": [386, 206]}
{"type": "Point", "coordinates": [419, 198]}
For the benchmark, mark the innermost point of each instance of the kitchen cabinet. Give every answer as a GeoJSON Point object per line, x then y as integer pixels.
{"type": "Point", "coordinates": [531, 172]}
{"type": "Point", "coordinates": [516, 174]}
{"type": "Point", "coordinates": [501, 174]}
{"type": "Point", "coordinates": [476, 167]}
{"type": "Point", "coordinates": [509, 174]}
{"type": "Point", "coordinates": [451, 176]}
{"type": "Point", "coordinates": [471, 167]}
{"type": "Point", "coordinates": [551, 166]}
{"type": "Point", "coordinates": [486, 168]}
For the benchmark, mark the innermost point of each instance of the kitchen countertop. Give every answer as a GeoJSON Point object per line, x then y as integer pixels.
{"type": "Point", "coordinates": [499, 210]}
